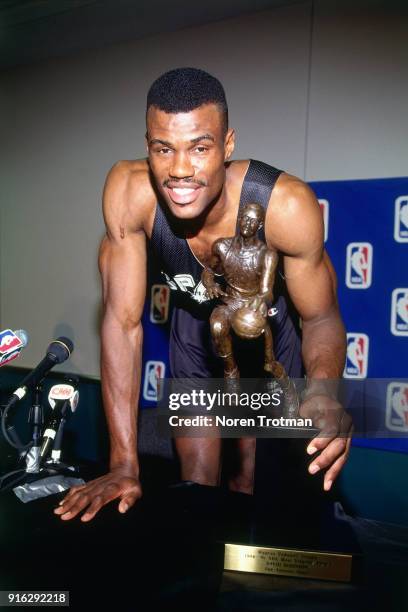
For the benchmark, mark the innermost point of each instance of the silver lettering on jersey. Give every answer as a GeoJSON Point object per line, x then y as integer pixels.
{"type": "Point", "coordinates": [187, 284]}
{"type": "Point", "coordinates": [197, 291]}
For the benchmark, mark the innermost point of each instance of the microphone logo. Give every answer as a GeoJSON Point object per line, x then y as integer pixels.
{"type": "Point", "coordinates": [9, 341]}
{"type": "Point", "coordinates": [11, 344]}
{"type": "Point", "coordinates": [61, 392]}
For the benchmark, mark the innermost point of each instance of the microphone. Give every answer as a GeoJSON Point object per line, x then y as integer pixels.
{"type": "Point", "coordinates": [58, 351]}
{"type": "Point", "coordinates": [63, 399]}
{"type": "Point", "coordinates": [11, 344]}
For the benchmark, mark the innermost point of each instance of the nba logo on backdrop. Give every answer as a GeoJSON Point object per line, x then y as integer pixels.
{"type": "Point", "coordinates": [359, 263]}
{"type": "Point", "coordinates": [153, 371]}
{"type": "Point", "coordinates": [324, 207]}
{"type": "Point", "coordinates": [401, 219]}
{"type": "Point", "coordinates": [399, 312]}
{"type": "Point", "coordinates": [357, 356]}
{"type": "Point", "coordinates": [396, 416]}
{"type": "Point", "coordinates": [159, 303]}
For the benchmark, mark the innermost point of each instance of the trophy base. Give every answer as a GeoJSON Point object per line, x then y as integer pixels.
{"type": "Point", "coordinates": [290, 527]}
{"type": "Point", "coordinates": [288, 562]}
{"type": "Point", "coordinates": [320, 547]}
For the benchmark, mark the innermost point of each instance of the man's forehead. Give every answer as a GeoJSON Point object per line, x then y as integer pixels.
{"type": "Point", "coordinates": [206, 119]}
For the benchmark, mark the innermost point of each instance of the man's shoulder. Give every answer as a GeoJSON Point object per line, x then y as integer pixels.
{"type": "Point", "coordinates": [129, 195]}
{"type": "Point", "coordinates": [133, 176]}
{"type": "Point", "coordinates": [289, 185]}
{"type": "Point", "coordinates": [291, 196]}
{"type": "Point", "coordinates": [293, 216]}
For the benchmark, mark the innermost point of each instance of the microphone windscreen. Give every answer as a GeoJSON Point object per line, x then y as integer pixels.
{"type": "Point", "coordinates": [22, 335]}
{"type": "Point", "coordinates": [61, 349]}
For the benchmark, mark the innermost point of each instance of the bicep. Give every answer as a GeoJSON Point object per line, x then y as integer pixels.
{"type": "Point", "coordinates": [311, 282]}
{"type": "Point", "coordinates": [122, 255]}
{"type": "Point", "coordinates": [298, 232]}
{"type": "Point", "coordinates": [123, 271]}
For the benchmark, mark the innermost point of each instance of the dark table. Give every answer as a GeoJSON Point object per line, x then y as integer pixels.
{"type": "Point", "coordinates": [167, 553]}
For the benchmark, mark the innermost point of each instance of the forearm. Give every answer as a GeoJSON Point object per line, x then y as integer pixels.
{"type": "Point", "coordinates": [121, 357]}
{"type": "Point", "coordinates": [324, 348]}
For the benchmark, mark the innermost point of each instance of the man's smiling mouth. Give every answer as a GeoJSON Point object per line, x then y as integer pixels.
{"type": "Point", "coordinates": [183, 194]}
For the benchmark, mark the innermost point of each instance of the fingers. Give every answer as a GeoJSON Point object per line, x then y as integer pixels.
{"type": "Point", "coordinates": [334, 438]}
{"type": "Point", "coordinates": [334, 456]}
{"type": "Point", "coordinates": [328, 416]}
{"type": "Point", "coordinates": [93, 496]}
{"type": "Point", "coordinates": [97, 493]}
{"type": "Point", "coordinates": [128, 501]}
{"type": "Point", "coordinates": [74, 490]}
{"type": "Point", "coordinates": [335, 448]}
{"type": "Point", "coordinates": [329, 428]}
{"type": "Point", "coordinates": [334, 427]}
{"type": "Point", "coordinates": [335, 469]}
{"type": "Point", "coordinates": [95, 506]}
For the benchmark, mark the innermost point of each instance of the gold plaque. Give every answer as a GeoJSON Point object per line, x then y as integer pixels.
{"type": "Point", "coordinates": [288, 562]}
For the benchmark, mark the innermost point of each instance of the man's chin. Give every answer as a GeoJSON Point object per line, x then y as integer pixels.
{"type": "Point", "coordinates": [186, 211]}
{"type": "Point", "coordinates": [190, 210]}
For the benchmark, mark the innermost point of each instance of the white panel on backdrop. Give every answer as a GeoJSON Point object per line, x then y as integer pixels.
{"type": "Point", "coordinates": [358, 124]}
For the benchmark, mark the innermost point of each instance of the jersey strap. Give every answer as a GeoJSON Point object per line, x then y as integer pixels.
{"type": "Point", "coordinates": [257, 187]}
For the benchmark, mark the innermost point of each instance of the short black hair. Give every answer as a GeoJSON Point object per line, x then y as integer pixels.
{"type": "Point", "coordinates": [184, 89]}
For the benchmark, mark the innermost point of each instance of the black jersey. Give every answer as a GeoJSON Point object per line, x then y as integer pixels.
{"type": "Point", "coordinates": [192, 307]}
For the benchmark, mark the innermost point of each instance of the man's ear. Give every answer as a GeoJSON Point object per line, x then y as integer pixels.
{"type": "Point", "coordinates": [229, 144]}
{"type": "Point", "coordinates": [147, 144]}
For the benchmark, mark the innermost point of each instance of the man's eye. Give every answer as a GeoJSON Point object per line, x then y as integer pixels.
{"type": "Point", "coordinates": [201, 149]}
{"type": "Point", "coordinates": [164, 150]}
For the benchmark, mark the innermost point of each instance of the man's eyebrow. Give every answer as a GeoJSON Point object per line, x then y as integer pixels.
{"type": "Point", "coordinates": [154, 141]}
{"type": "Point", "coordinates": [203, 137]}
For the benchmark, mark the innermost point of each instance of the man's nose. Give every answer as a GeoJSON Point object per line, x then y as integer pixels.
{"type": "Point", "coordinates": [181, 166]}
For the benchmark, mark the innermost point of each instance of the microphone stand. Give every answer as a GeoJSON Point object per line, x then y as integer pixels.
{"type": "Point", "coordinates": [34, 470]}
{"type": "Point", "coordinates": [55, 463]}
{"type": "Point", "coordinates": [36, 418]}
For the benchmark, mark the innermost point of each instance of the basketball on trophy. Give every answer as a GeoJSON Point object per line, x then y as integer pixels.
{"type": "Point", "coordinates": [248, 323]}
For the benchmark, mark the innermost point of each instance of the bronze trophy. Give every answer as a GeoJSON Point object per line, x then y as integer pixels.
{"type": "Point", "coordinates": [297, 547]}
{"type": "Point", "coordinates": [248, 267]}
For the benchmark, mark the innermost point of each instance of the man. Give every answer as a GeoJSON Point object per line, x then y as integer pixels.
{"type": "Point", "coordinates": [183, 197]}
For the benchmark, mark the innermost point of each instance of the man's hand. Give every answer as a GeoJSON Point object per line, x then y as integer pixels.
{"type": "Point", "coordinates": [334, 439]}
{"type": "Point", "coordinates": [120, 482]}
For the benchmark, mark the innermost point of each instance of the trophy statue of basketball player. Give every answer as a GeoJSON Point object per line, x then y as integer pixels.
{"type": "Point", "coordinates": [248, 267]}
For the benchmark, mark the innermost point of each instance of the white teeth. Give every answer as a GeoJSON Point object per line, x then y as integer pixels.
{"type": "Point", "coordinates": [182, 190]}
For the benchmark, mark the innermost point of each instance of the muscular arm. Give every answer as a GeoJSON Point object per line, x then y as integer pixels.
{"type": "Point", "coordinates": [311, 282]}
{"type": "Point", "coordinates": [122, 264]}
